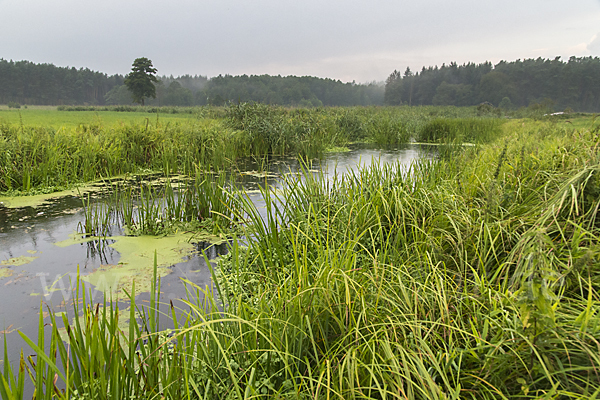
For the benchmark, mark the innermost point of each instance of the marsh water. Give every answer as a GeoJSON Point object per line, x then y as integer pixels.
{"type": "Point", "coordinates": [41, 252]}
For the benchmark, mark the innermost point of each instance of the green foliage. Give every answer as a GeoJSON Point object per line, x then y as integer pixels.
{"type": "Point", "coordinates": [352, 124]}
{"type": "Point", "coordinates": [36, 157]}
{"type": "Point", "coordinates": [572, 83]}
{"type": "Point", "coordinates": [474, 276]}
{"type": "Point", "coordinates": [46, 84]}
{"type": "Point", "coordinates": [25, 82]}
{"type": "Point", "coordinates": [472, 130]}
{"type": "Point", "coordinates": [275, 130]}
{"type": "Point", "coordinates": [538, 110]}
{"type": "Point", "coordinates": [13, 104]}
{"type": "Point", "coordinates": [291, 91]}
{"type": "Point", "coordinates": [178, 96]}
{"type": "Point", "coordinates": [117, 95]}
{"type": "Point", "coordinates": [505, 104]}
{"type": "Point", "coordinates": [61, 149]}
{"type": "Point", "coordinates": [140, 81]}
{"type": "Point", "coordinates": [487, 109]}
{"type": "Point", "coordinates": [455, 94]}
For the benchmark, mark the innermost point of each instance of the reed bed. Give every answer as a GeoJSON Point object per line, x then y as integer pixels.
{"type": "Point", "coordinates": [471, 276]}
{"type": "Point", "coordinates": [46, 159]}
{"type": "Point", "coordinates": [40, 158]}
{"type": "Point", "coordinates": [470, 130]}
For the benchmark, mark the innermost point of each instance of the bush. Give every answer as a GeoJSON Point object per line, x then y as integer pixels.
{"type": "Point", "coordinates": [13, 104]}
{"type": "Point", "coordinates": [506, 104]}
{"type": "Point", "coordinates": [487, 108]}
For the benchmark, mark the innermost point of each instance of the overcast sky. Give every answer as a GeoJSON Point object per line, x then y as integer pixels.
{"type": "Point", "coordinates": [346, 40]}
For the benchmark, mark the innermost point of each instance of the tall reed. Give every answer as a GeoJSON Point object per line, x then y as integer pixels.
{"type": "Point", "coordinates": [205, 201]}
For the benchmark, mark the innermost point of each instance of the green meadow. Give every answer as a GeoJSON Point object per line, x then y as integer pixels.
{"type": "Point", "coordinates": [473, 275]}
{"type": "Point", "coordinates": [50, 117]}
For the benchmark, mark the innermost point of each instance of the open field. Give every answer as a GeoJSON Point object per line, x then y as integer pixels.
{"type": "Point", "coordinates": [472, 275]}
{"type": "Point", "coordinates": [50, 117]}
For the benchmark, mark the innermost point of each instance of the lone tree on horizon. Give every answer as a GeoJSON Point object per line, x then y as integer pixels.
{"type": "Point", "coordinates": [140, 81]}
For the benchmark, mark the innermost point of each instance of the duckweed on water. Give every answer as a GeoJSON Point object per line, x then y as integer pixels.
{"type": "Point", "coordinates": [37, 200]}
{"type": "Point", "coordinates": [137, 256]}
{"type": "Point", "coordinates": [5, 272]}
{"type": "Point", "coordinates": [18, 261]}
{"type": "Point", "coordinates": [75, 238]}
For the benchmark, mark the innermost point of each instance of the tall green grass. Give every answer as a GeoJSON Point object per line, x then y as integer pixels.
{"type": "Point", "coordinates": [276, 130]}
{"type": "Point", "coordinates": [42, 157]}
{"type": "Point", "coordinates": [46, 158]}
{"type": "Point", "coordinates": [471, 130]}
{"type": "Point", "coordinates": [471, 276]}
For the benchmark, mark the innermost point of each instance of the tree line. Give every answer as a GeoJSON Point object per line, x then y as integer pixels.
{"type": "Point", "coordinates": [292, 90]}
{"type": "Point", "coordinates": [24, 82]}
{"type": "Point", "coordinates": [571, 84]}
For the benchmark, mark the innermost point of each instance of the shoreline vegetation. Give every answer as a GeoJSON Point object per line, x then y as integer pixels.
{"type": "Point", "coordinates": [38, 156]}
{"type": "Point", "coordinates": [473, 275]}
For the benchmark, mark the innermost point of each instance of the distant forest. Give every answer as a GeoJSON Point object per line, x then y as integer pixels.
{"type": "Point", "coordinates": [572, 84]}
{"type": "Point", "coordinates": [24, 82]}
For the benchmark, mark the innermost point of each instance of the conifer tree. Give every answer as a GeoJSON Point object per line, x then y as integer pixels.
{"type": "Point", "coordinates": [140, 81]}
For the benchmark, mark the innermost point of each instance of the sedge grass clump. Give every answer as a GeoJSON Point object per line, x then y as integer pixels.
{"type": "Point", "coordinates": [443, 282]}
{"type": "Point", "coordinates": [472, 130]}
{"type": "Point", "coordinates": [203, 203]}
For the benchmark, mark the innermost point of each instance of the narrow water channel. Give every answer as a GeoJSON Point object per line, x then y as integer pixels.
{"type": "Point", "coordinates": [41, 253]}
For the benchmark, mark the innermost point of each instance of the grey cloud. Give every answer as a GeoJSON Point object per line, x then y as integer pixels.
{"type": "Point", "coordinates": [336, 38]}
